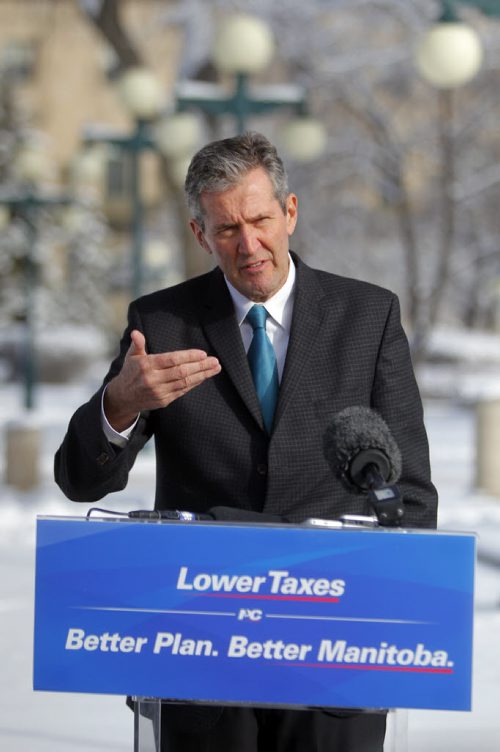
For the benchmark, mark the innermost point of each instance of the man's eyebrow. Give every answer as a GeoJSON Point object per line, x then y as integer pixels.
{"type": "Point", "coordinates": [250, 220]}
{"type": "Point", "coordinates": [262, 215]}
{"type": "Point", "coordinates": [225, 226]}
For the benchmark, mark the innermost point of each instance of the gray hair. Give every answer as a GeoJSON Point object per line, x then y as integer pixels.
{"type": "Point", "coordinates": [221, 165]}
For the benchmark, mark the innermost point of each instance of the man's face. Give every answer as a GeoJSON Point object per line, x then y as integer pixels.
{"type": "Point", "coordinates": [247, 232]}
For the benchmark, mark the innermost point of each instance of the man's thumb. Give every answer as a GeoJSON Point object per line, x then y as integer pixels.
{"type": "Point", "coordinates": [138, 343]}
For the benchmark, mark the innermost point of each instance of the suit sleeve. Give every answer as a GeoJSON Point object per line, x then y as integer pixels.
{"type": "Point", "coordinates": [396, 397]}
{"type": "Point", "coordinates": [87, 466]}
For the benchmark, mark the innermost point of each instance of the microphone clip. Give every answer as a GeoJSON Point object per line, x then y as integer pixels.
{"type": "Point", "coordinates": [385, 500]}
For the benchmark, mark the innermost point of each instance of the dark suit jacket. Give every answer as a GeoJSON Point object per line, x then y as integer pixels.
{"type": "Point", "coordinates": [346, 348]}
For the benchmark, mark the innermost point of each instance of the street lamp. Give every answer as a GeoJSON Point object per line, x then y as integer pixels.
{"type": "Point", "coordinates": [31, 166]}
{"type": "Point", "coordinates": [450, 54]}
{"type": "Point", "coordinates": [142, 95]}
{"type": "Point", "coordinates": [244, 45]}
{"type": "Point", "coordinates": [174, 137]}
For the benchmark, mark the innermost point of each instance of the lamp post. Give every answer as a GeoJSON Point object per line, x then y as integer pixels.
{"type": "Point", "coordinates": [28, 204]}
{"type": "Point", "coordinates": [23, 436]}
{"type": "Point", "coordinates": [143, 97]}
{"type": "Point", "coordinates": [244, 45]}
{"type": "Point", "coordinates": [448, 56]}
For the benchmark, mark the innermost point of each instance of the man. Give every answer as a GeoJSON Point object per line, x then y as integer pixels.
{"type": "Point", "coordinates": [183, 376]}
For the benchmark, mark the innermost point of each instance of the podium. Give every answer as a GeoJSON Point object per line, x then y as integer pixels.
{"type": "Point", "coordinates": [147, 727]}
{"type": "Point", "coordinates": [262, 615]}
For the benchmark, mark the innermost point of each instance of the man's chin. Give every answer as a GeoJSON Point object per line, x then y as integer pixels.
{"type": "Point", "coordinates": [257, 293]}
{"type": "Point", "coordinates": [259, 288]}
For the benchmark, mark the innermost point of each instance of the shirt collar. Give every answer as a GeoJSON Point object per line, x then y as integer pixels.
{"type": "Point", "coordinates": [275, 306]}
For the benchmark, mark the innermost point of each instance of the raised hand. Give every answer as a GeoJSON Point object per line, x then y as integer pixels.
{"type": "Point", "coordinates": [147, 382]}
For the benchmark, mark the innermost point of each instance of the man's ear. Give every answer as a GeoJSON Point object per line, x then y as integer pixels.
{"type": "Point", "coordinates": [199, 235]}
{"type": "Point", "coordinates": [291, 212]}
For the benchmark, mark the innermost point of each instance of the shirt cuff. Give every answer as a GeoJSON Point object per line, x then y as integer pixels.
{"type": "Point", "coordinates": [114, 437]}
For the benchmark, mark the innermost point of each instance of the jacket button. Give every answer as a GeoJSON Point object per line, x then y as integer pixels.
{"type": "Point", "coordinates": [262, 468]}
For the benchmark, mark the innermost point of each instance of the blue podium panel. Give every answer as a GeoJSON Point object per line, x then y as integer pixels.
{"type": "Point", "coordinates": [230, 613]}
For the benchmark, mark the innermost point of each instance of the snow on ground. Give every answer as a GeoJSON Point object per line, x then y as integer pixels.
{"type": "Point", "coordinates": [43, 722]}
{"type": "Point", "coordinates": [451, 434]}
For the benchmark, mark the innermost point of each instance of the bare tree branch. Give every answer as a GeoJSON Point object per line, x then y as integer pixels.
{"type": "Point", "coordinates": [108, 21]}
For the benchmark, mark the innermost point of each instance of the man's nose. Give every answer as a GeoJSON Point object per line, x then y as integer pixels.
{"type": "Point", "coordinates": [248, 241]}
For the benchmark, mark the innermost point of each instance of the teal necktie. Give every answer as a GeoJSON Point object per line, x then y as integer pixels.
{"type": "Point", "coordinates": [262, 360]}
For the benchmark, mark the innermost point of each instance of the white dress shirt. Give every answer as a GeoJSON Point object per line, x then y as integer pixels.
{"type": "Point", "coordinates": [279, 321]}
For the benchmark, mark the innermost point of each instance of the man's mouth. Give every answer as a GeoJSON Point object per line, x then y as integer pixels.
{"type": "Point", "coordinates": [255, 266]}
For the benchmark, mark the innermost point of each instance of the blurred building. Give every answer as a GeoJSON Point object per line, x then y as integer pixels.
{"type": "Point", "coordinates": [65, 66]}
{"type": "Point", "coordinates": [62, 78]}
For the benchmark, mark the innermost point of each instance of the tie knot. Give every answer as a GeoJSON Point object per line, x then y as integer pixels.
{"type": "Point", "coordinates": [257, 316]}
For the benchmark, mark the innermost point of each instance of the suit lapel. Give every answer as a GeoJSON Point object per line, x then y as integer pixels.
{"type": "Point", "coordinates": [221, 328]}
{"type": "Point", "coordinates": [308, 315]}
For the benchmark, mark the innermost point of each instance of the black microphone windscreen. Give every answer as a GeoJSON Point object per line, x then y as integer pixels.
{"type": "Point", "coordinates": [356, 429]}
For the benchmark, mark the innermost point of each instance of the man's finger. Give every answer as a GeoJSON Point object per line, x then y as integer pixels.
{"type": "Point", "coordinates": [180, 358]}
{"type": "Point", "coordinates": [138, 343]}
{"type": "Point", "coordinates": [188, 377]}
{"type": "Point", "coordinates": [185, 376]}
{"type": "Point", "coordinates": [194, 373]}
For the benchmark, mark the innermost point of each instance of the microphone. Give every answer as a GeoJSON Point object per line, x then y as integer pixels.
{"type": "Point", "coordinates": [224, 514]}
{"type": "Point", "coordinates": [167, 514]}
{"type": "Point", "coordinates": [362, 452]}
